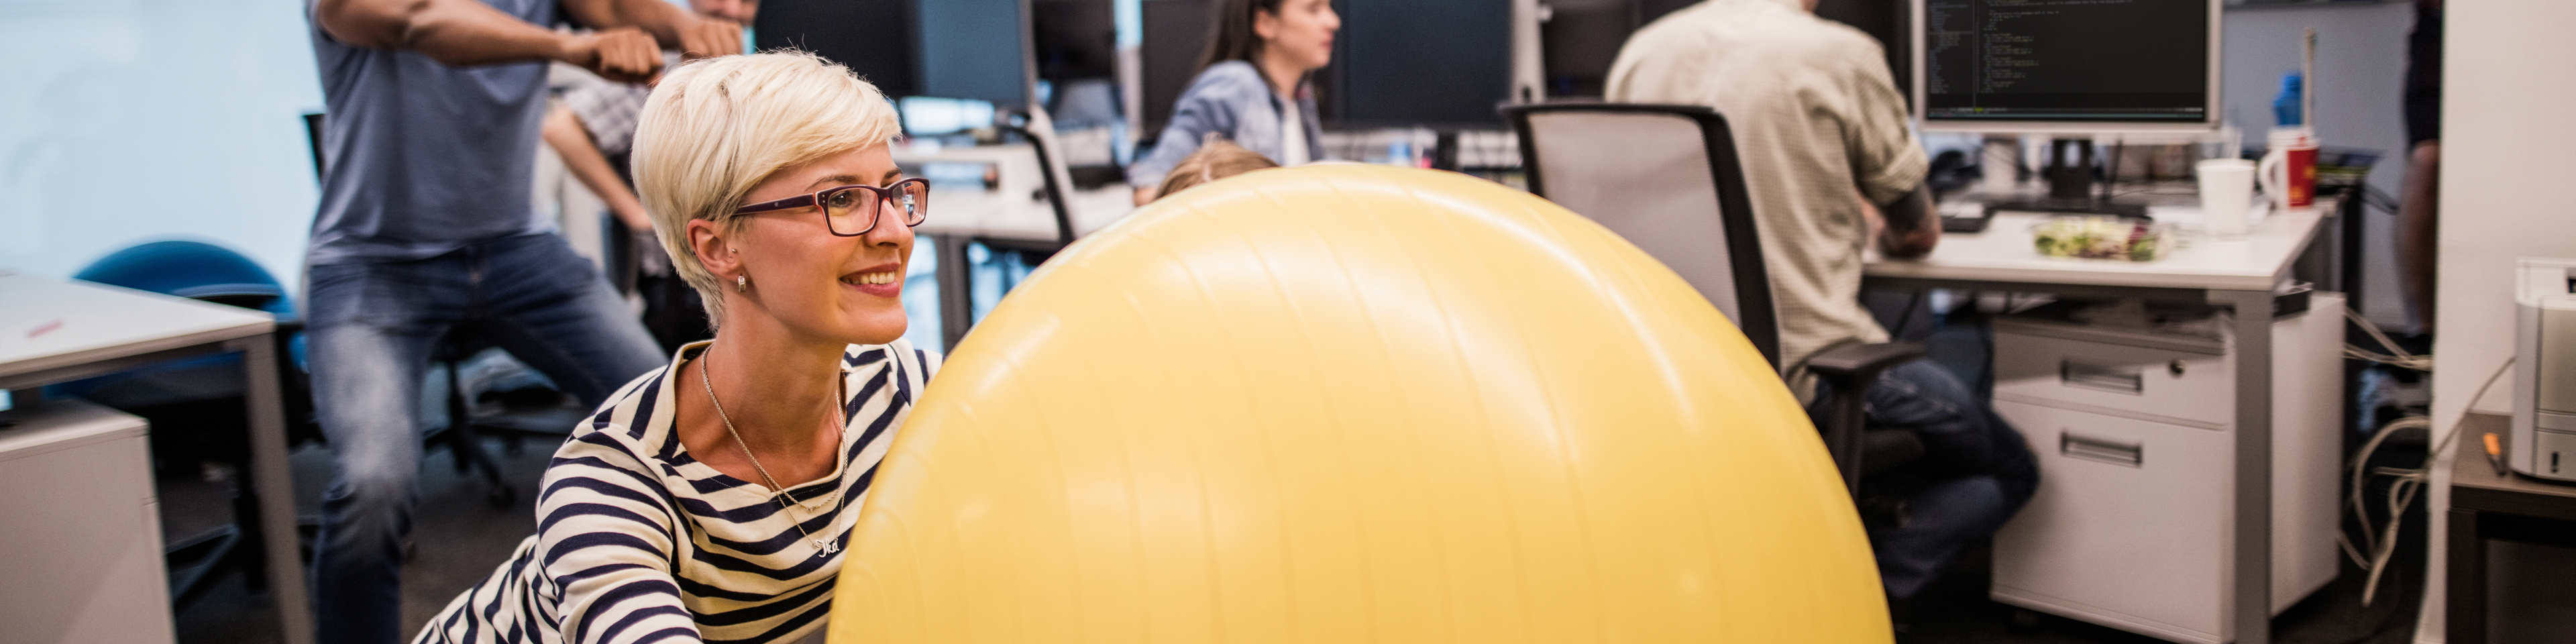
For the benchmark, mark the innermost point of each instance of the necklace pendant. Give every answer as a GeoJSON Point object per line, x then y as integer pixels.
{"type": "Point", "coordinates": [825, 546]}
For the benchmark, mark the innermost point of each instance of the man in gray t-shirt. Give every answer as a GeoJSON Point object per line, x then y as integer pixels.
{"type": "Point", "coordinates": [1824, 141]}
{"type": "Point", "coordinates": [426, 226]}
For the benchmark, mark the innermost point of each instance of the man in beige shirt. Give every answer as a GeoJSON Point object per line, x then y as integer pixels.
{"type": "Point", "coordinates": [1824, 142]}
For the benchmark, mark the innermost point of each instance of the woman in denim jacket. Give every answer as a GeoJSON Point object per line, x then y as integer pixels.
{"type": "Point", "coordinates": [1253, 73]}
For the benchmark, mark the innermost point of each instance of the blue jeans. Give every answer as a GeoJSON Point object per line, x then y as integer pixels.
{"type": "Point", "coordinates": [372, 329]}
{"type": "Point", "coordinates": [1979, 472]}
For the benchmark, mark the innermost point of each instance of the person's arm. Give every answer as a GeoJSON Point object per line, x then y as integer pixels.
{"type": "Point", "coordinates": [676, 27]}
{"type": "Point", "coordinates": [464, 33]}
{"type": "Point", "coordinates": [563, 132]}
{"type": "Point", "coordinates": [1887, 162]}
{"type": "Point", "coordinates": [607, 546]}
{"type": "Point", "coordinates": [1912, 228]}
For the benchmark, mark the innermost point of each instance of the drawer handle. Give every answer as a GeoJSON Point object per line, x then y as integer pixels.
{"type": "Point", "coordinates": [2095, 449]}
{"type": "Point", "coordinates": [2111, 378]}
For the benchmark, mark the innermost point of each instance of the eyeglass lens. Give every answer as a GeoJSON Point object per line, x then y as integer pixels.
{"type": "Point", "coordinates": [853, 211]}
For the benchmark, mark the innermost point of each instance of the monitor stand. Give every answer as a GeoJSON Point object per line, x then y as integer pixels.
{"type": "Point", "coordinates": [2070, 187]}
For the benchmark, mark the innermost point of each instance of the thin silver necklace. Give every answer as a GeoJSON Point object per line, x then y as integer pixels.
{"type": "Point", "coordinates": [822, 546]}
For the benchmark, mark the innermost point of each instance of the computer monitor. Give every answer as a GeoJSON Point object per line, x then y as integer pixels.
{"type": "Point", "coordinates": [976, 49]}
{"type": "Point", "coordinates": [1580, 40]}
{"type": "Point", "coordinates": [871, 37]}
{"type": "Point", "coordinates": [1175, 36]}
{"type": "Point", "coordinates": [1442, 64]}
{"type": "Point", "coordinates": [2066, 65]}
{"type": "Point", "coordinates": [1075, 39]}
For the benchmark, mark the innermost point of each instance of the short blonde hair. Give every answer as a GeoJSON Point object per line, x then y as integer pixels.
{"type": "Point", "coordinates": [717, 127]}
{"type": "Point", "coordinates": [1217, 159]}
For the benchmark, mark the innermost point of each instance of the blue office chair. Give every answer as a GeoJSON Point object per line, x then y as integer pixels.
{"type": "Point", "coordinates": [195, 270]}
{"type": "Point", "coordinates": [209, 273]}
{"type": "Point", "coordinates": [197, 405]}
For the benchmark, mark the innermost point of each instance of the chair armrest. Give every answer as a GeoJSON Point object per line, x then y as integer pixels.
{"type": "Point", "coordinates": [1851, 369]}
{"type": "Point", "coordinates": [1858, 364]}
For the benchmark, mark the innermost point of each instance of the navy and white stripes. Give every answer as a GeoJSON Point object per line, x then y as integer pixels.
{"type": "Point", "coordinates": [638, 542]}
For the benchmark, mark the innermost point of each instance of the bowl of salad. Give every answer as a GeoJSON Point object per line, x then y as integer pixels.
{"type": "Point", "coordinates": [2094, 237]}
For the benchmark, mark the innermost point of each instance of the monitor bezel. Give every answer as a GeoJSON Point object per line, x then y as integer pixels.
{"type": "Point", "coordinates": [2211, 111]}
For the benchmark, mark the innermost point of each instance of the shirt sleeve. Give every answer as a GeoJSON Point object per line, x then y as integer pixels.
{"type": "Point", "coordinates": [1199, 112]}
{"type": "Point", "coordinates": [608, 112]}
{"type": "Point", "coordinates": [605, 539]}
{"type": "Point", "coordinates": [1886, 160]}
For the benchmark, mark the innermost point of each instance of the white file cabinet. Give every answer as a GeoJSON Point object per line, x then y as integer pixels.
{"type": "Point", "coordinates": [80, 529]}
{"type": "Point", "coordinates": [2131, 526]}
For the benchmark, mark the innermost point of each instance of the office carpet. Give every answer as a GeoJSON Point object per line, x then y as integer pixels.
{"type": "Point", "coordinates": [457, 540]}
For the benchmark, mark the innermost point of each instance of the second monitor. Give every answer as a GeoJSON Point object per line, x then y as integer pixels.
{"type": "Point", "coordinates": [2066, 65]}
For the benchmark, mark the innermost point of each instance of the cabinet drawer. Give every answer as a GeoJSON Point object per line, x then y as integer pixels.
{"type": "Point", "coordinates": [2128, 526]}
{"type": "Point", "coordinates": [2195, 387]}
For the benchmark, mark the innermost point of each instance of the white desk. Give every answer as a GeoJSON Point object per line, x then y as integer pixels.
{"type": "Point", "coordinates": [2004, 253]}
{"type": "Point", "coordinates": [53, 331]}
{"type": "Point", "coordinates": [2235, 274]}
{"type": "Point", "coordinates": [959, 217]}
{"type": "Point", "coordinates": [1014, 213]}
{"type": "Point", "coordinates": [1014, 208]}
{"type": "Point", "coordinates": [993, 214]}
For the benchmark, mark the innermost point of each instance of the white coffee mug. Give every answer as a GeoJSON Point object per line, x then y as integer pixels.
{"type": "Point", "coordinates": [2226, 195]}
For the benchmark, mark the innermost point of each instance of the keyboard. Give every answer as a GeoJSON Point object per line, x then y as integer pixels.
{"type": "Point", "coordinates": [1975, 223]}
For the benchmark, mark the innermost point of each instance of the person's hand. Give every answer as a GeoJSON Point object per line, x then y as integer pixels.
{"type": "Point", "coordinates": [706, 37]}
{"type": "Point", "coordinates": [625, 55]}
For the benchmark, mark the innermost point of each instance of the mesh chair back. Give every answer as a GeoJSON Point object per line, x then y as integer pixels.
{"type": "Point", "coordinates": [1664, 177]}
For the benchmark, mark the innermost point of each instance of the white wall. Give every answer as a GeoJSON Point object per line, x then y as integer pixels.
{"type": "Point", "coordinates": [2509, 79]}
{"type": "Point", "coordinates": [125, 121]}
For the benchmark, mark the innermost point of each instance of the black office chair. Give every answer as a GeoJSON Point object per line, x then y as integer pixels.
{"type": "Point", "coordinates": [1666, 178]}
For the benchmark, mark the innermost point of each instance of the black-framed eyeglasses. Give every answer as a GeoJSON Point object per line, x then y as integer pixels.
{"type": "Point", "coordinates": [851, 211]}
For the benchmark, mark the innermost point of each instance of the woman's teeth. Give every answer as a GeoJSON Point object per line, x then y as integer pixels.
{"type": "Point", "coordinates": [879, 277]}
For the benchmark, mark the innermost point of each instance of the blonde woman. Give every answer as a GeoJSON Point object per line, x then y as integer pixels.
{"type": "Point", "coordinates": [1215, 160]}
{"type": "Point", "coordinates": [709, 499]}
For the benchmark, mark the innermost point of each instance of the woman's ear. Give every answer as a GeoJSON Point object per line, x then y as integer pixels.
{"type": "Point", "coordinates": [713, 250]}
{"type": "Point", "coordinates": [1265, 23]}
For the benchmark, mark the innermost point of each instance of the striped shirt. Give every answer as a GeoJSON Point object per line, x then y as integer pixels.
{"type": "Point", "coordinates": [638, 542]}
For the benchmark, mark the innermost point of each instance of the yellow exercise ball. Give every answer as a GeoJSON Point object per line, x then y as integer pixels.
{"type": "Point", "coordinates": [1357, 404]}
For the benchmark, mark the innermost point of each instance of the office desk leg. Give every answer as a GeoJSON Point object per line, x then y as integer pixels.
{"type": "Point", "coordinates": [2250, 596]}
{"type": "Point", "coordinates": [956, 299]}
{"type": "Point", "coordinates": [2464, 609]}
{"type": "Point", "coordinates": [273, 480]}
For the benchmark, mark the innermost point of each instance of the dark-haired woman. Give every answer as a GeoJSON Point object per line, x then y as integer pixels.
{"type": "Point", "coordinates": [1251, 88]}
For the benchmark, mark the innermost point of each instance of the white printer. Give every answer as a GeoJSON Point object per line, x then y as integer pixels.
{"type": "Point", "coordinates": [2544, 366]}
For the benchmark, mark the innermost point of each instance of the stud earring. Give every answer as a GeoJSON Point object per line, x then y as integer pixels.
{"type": "Point", "coordinates": [741, 283]}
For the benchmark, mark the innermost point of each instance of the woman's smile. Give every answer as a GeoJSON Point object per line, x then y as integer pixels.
{"type": "Point", "coordinates": [884, 280]}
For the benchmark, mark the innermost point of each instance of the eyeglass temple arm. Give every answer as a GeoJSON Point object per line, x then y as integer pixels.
{"type": "Point", "coordinates": [798, 201]}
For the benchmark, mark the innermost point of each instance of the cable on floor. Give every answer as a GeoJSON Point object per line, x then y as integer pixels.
{"type": "Point", "coordinates": [2377, 548]}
